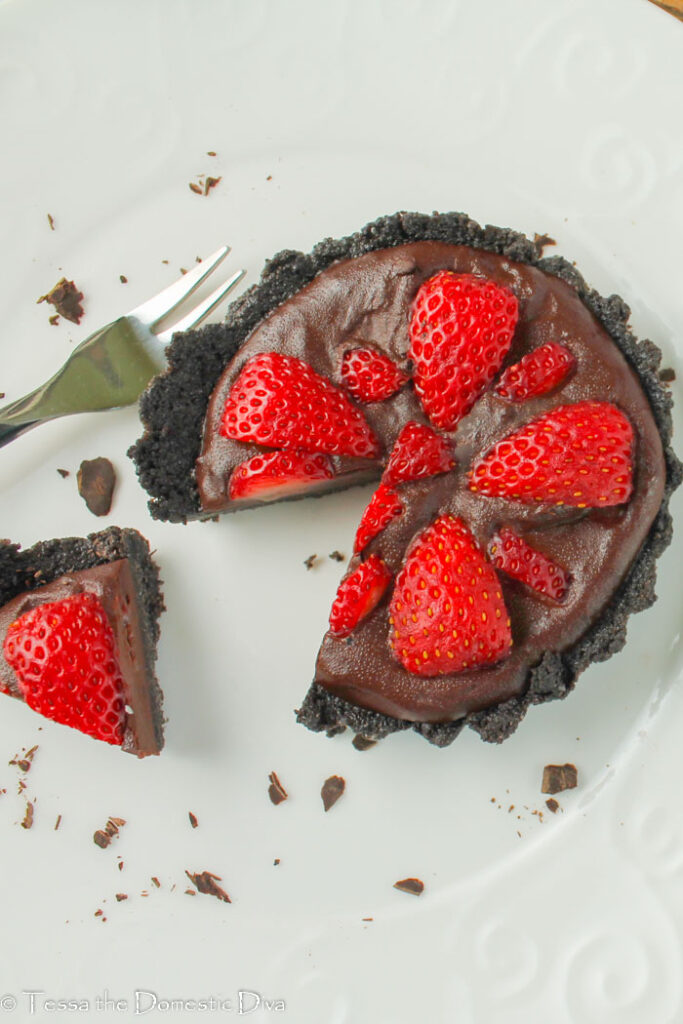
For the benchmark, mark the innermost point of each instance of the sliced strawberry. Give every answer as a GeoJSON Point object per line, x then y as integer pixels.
{"type": "Point", "coordinates": [579, 455]}
{"type": "Point", "coordinates": [280, 402]}
{"type": "Point", "coordinates": [371, 376]}
{"type": "Point", "coordinates": [64, 656]}
{"type": "Point", "coordinates": [276, 475]}
{"type": "Point", "coordinates": [447, 611]}
{"type": "Point", "coordinates": [511, 554]}
{"type": "Point", "coordinates": [418, 451]}
{"type": "Point", "coordinates": [460, 332]}
{"type": "Point", "coordinates": [384, 506]}
{"type": "Point", "coordinates": [536, 373]}
{"type": "Point", "coordinates": [359, 593]}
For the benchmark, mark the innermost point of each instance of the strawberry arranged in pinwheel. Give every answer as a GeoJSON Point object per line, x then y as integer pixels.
{"type": "Point", "coordinates": [537, 373]}
{"type": "Point", "coordinates": [371, 376]}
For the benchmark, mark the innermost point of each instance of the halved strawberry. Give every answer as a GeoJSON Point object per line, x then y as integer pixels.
{"type": "Point", "coordinates": [64, 656]}
{"type": "Point", "coordinates": [418, 451]}
{"type": "Point", "coordinates": [511, 554]}
{"type": "Point", "coordinates": [359, 593]}
{"type": "Point", "coordinates": [384, 506]}
{"type": "Point", "coordinates": [371, 376]}
{"type": "Point", "coordinates": [460, 332]}
{"type": "Point", "coordinates": [276, 475]}
{"type": "Point", "coordinates": [280, 402]}
{"type": "Point", "coordinates": [579, 455]}
{"type": "Point", "coordinates": [536, 373]}
{"type": "Point", "coordinates": [447, 611]}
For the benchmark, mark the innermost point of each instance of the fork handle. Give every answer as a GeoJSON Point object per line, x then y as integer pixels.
{"type": "Point", "coordinates": [8, 431]}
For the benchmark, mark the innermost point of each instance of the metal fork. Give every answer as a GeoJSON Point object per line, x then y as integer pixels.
{"type": "Point", "coordinates": [111, 368]}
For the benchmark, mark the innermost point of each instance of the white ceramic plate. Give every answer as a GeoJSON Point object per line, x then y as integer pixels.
{"type": "Point", "coordinates": [556, 118]}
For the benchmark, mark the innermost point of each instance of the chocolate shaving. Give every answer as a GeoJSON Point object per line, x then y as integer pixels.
{"type": "Point", "coordinates": [190, 892]}
{"type": "Point", "coordinates": [197, 189]}
{"type": "Point", "coordinates": [361, 742]}
{"type": "Point", "coordinates": [63, 473]}
{"type": "Point", "coordinates": [337, 556]}
{"type": "Point", "coordinates": [120, 865]}
{"type": "Point", "coordinates": [123, 279]}
{"type": "Point", "coordinates": [156, 881]}
{"type": "Point", "coordinates": [121, 896]}
{"type": "Point", "coordinates": [211, 152]}
{"type": "Point", "coordinates": [276, 861]}
{"type": "Point", "coordinates": [210, 183]}
{"type": "Point", "coordinates": [552, 805]}
{"type": "Point", "coordinates": [51, 221]}
{"type": "Point", "coordinates": [28, 817]}
{"type": "Point", "coordinates": [66, 298]}
{"type": "Point", "coordinates": [410, 885]}
{"type": "Point", "coordinates": [206, 883]}
{"type": "Point", "coordinates": [367, 919]}
{"type": "Point", "coordinates": [269, 177]}
{"type": "Point", "coordinates": [332, 790]}
{"type": "Point", "coordinates": [276, 791]}
{"type": "Point", "coordinates": [310, 561]}
{"type": "Point", "coordinates": [103, 836]}
{"type": "Point", "coordinates": [54, 319]}
{"type": "Point", "coordinates": [58, 822]}
{"type": "Point", "coordinates": [541, 241]}
{"type": "Point", "coordinates": [667, 375]}
{"type": "Point", "coordinates": [193, 819]}
{"type": "Point", "coordinates": [96, 480]}
{"type": "Point", "coordinates": [558, 777]}
{"type": "Point", "coordinates": [24, 763]}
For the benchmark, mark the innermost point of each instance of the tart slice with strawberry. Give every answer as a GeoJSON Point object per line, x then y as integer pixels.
{"type": "Point", "coordinates": [78, 634]}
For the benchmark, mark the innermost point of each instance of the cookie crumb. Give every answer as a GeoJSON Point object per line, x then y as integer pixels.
{"type": "Point", "coordinates": [361, 742]}
{"type": "Point", "coordinates": [667, 375]}
{"type": "Point", "coordinates": [66, 298]}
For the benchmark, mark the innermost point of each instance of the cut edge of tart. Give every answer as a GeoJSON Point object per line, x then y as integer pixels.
{"type": "Point", "coordinates": [165, 460]}
{"type": "Point", "coordinates": [79, 626]}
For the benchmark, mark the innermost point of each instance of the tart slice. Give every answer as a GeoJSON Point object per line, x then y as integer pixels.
{"type": "Point", "coordinates": [78, 635]}
{"type": "Point", "coordinates": [493, 394]}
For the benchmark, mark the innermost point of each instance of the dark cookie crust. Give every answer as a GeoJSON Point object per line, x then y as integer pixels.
{"type": "Point", "coordinates": [46, 561]}
{"type": "Point", "coordinates": [173, 408]}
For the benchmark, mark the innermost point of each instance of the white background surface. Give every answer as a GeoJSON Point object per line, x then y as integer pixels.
{"type": "Point", "coordinates": [558, 118]}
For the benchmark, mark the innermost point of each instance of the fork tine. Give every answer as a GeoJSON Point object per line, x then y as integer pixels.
{"type": "Point", "coordinates": [200, 312]}
{"type": "Point", "coordinates": [159, 306]}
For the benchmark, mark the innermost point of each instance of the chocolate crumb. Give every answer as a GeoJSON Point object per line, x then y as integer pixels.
{"type": "Point", "coordinates": [206, 883]}
{"type": "Point", "coordinates": [310, 561]}
{"type": "Point", "coordinates": [156, 881]}
{"type": "Point", "coordinates": [332, 790]}
{"type": "Point", "coordinates": [103, 836]}
{"type": "Point", "coordinates": [24, 763]}
{"type": "Point", "coordinates": [193, 819]}
{"type": "Point", "coordinates": [276, 791]}
{"type": "Point", "coordinates": [210, 183]}
{"type": "Point", "coordinates": [197, 189]}
{"type": "Point", "coordinates": [66, 298]}
{"type": "Point", "coordinates": [121, 896]}
{"type": "Point", "coordinates": [541, 241]}
{"type": "Point", "coordinates": [337, 556]}
{"type": "Point", "coordinates": [28, 817]}
{"type": "Point", "coordinates": [276, 861]}
{"type": "Point", "coordinates": [54, 319]}
{"type": "Point", "coordinates": [361, 742]}
{"type": "Point", "coordinates": [58, 822]}
{"type": "Point", "coordinates": [64, 473]}
{"type": "Point", "coordinates": [552, 805]}
{"type": "Point", "coordinates": [667, 374]}
{"type": "Point", "coordinates": [51, 221]}
{"type": "Point", "coordinates": [411, 885]}
{"type": "Point", "coordinates": [123, 279]}
{"type": "Point", "coordinates": [96, 480]}
{"type": "Point", "coordinates": [558, 777]}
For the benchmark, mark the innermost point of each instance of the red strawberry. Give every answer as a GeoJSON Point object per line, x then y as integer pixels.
{"type": "Point", "coordinates": [384, 505]}
{"type": "Point", "coordinates": [418, 451]}
{"type": "Point", "coordinates": [510, 553]}
{"type": "Point", "coordinates": [460, 333]}
{"type": "Point", "coordinates": [371, 376]}
{"type": "Point", "coordinates": [359, 593]}
{"type": "Point", "coordinates": [275, 475]}
{"type": "Point", "coordinates": [579, 455]}
{"type": "Point", "coordinates": [280, 402]}
{"type": "Point", "coordinates": [64, 656]}
{"type": "Point", "coordinates": [447, 611]}
{"type": "Point", "coordinates": [536, 373]}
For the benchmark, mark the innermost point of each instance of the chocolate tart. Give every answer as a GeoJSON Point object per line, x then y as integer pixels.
{"type": "Point", "coordinates": [360, 289]}
{"type": "Point", "coordinates": [115, 565]}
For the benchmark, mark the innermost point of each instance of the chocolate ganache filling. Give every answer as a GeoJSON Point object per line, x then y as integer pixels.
{"type": "Point", "coordinates": [367, 301]}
